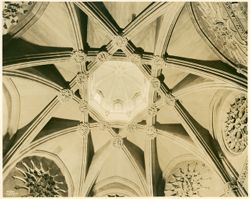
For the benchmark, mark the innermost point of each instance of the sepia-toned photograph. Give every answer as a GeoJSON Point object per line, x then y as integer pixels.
{"type": "Point", "coordinates": [124, 99]}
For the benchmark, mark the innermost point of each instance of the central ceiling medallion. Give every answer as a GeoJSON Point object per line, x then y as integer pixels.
{"type": "Point", "coordinates": [118, 91]}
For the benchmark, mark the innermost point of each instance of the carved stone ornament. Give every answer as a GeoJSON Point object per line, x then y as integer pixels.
{"type": "Point", "coordinates": [79, 56]}
{"type": "Point", "coordinates": [152, 111]}
{"type": "Point", "coordinates": [117, 142]}
{"type": "Point", "coordinates": [83, 105]}
{"type": "Point", "coordinates": [235, 130]}
{"type": "Point", "coordinates": [132, 127]}
{"type": "Point", "coordinates": [39, 177]}
{"type": "Point", "coordinates": [104, 125]}
{"type": "Point", "coordinates": [155, 82]}
{"type": "Point", "coordinates": [225, 26]}
{"type": "Point", "coordinates": [151, 132]}
{"type": "Point", "coordinates": [119, 42]}
{"type": "Point", "coordinates": [82, 78]}
{"type": "Point", "coordinates": [66, 95]}
{"type": "Point", "coordinates": [102, 56]}
{"type": "Point", "coordinates": [170, 99]}
{"type": "Point", "coordinates": [12, 11]}
{"type": "Point", "coordinates": [84, 128]}
{"type": "Point", "coordinates": [187, 179]}
{"type": "Point", "coordinates": [158, 63]}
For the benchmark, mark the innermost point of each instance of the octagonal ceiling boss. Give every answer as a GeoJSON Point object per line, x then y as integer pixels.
{"type": "Point", "coordinates": [118, 91]}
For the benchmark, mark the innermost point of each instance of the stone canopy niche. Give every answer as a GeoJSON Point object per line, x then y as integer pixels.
{"type": "Point", "coordinates": [118, 91]}
{"type": "Point", "coordinates": [35, 176]}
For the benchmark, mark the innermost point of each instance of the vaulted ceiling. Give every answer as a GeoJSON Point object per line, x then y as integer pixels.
{"type": "Point", "coordinates": [125, 99]}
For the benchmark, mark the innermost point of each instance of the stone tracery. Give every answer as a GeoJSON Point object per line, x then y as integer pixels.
{"type": "Point", "coordinates": [187, 179]}
{"type": "Point", "coordinates": [40, 178]}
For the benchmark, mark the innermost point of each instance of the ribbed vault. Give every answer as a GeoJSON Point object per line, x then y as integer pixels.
{"type": "Point", "coordinates": [68, 65]}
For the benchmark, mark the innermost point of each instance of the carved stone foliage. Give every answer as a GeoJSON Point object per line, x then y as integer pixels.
{"type": "Point", "coordinates": [12, 12]}
{"type": "Point", "coordinates": [187, 179]}
{"type": "Point", "coordinates": [235, 129]}
{"type": "Point", "coordinates": [36, 176]}
{"type": "Point", "coordinates": [225, 26]}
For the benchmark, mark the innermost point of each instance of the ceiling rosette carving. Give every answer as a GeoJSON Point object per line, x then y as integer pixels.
{"type": "Point", "coordinates": [36, 176]}
{"type": "Point", "coordinates": [188, 179]}
{"type": "Point", "coordinates": [225, 27]}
